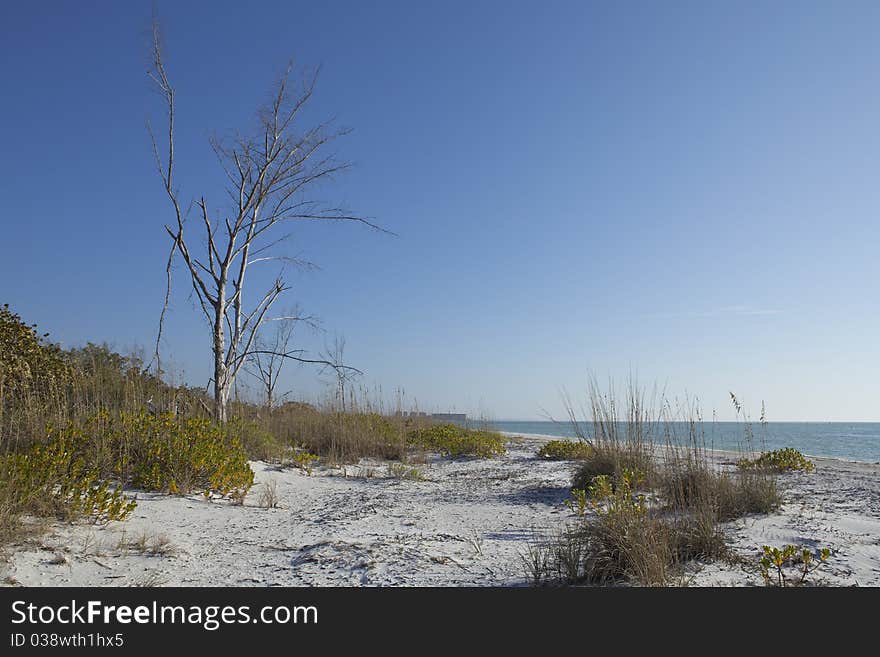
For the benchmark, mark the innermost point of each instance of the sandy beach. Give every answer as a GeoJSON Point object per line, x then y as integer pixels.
{"type": "Point", "coordinates": [467, 522]}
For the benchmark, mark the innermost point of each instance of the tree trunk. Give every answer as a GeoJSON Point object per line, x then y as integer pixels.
{"type": "Point", "coordinates": [221, 373]}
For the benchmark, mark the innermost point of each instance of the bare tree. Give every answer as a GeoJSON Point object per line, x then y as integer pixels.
{"type": "Point", "coordinates": [269, 177]}
{"type": "Point", "coordinates": [334, 358]}
{"type": "Point", "coordinates": [268, 359]}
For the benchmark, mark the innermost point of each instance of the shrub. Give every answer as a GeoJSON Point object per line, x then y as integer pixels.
{"type": "Point", "coordinates": [578, 501]}
{"type": "Point", "coordinates": [162, 453]}
{"type": "Point", "coordinates": [27, 361]}
{"type": "Point", "coordinates": [55, 480]}
{"type": "Point", "coordinates": [565, 450]}
{"type": "Point", "coordinates": [177, 455]}
{"type": "Point", "coordinates": [453, 440]}
{"type": "Point", "coordinates": [33, 378]}
{"type": "Point", "coordinates": [258, 443]}
{"type": "Point", "coordinates": [780, 460]}
{"type": "Point", "coordinates": [798, 563]}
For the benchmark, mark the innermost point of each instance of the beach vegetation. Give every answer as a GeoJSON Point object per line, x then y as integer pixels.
{"type": "Point", "coordinates": [337, 436]}
{"type": "Point", "coordinates": [578, 502]}
{"type": "Point", "coordinates": [780, 460]}
{"type": "Point", "coordinates": [269, 498]}
{"type": "Point", "coordinates": [53, 480]}
{"type": "Point", "coordinates": [620, 435]}
{"type": "Point", "coordinates": [455, 441]}
{"type": "Point", "coordinates": [565, 450]}
{"type": "Point", "coordinates": [689, 481]}
{"type": "Point", "coordinates": [149, 544]}
{"type": "Point", "coordinates": [304, 459]}
{"type": "Point", "coordinates": [622, 540]}
{"type": "Point", "coordinates": [648, 498]}
{"type": "Point", "coordinates": [790, 565]}
{"type": "Point", "coordinates": [406, 472]}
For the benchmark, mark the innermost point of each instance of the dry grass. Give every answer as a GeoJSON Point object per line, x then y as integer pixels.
{"type": "Point", "coordinates": [149, 544]}
{"type": "Point", "coordinates": [336, 436]}
{"type": "Point", "coordinates": [406, 472]}
{"type": "Point", "coordinates": [690, 481]}
{"type": "Point", "coordinates": [619, 440]}
{"type": "Point", "coordinates": [269, 498]}
{"type": "Point", "coordinates": [643, 534]}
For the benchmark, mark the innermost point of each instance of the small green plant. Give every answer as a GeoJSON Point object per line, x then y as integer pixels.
{"type": "Point", "coordinates": [780, 460]}
{"type": "Point", "coordinates": [453, 440]}
{"type": "Point", "coordinates": [578, 501]}
{"type": "Point", "coordinates": [303, 459]}
{"type": "Point", "coordinates": [565, 450]}
{"type": "Point", "coordinates": [799, 564]}
{"type": "Point", "coordinates": [402, 471]}
{"type": "Point", "coordinates": [611, 497]}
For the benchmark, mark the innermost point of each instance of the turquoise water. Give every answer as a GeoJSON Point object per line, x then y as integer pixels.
{"type": "Point", "coordinates": [857, 441]}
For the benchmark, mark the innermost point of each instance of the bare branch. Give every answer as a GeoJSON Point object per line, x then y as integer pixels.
{"type": "Point", "coordinates": [269, 176]}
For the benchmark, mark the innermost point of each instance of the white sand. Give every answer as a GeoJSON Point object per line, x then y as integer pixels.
{"type": "Point", "coordinates": [468, 523]}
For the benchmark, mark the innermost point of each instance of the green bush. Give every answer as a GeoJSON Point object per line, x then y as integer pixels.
{"type": "Point", "coordinates": [453, 440]}
{"type": "Point", "coordinates": [55, 480]}
{"type": "Point", "coordinates": [27, 361]}
{"type": "Point", "coordinates": [180, 455]}
{"type": "Point", "coordinates": [162, 453]}
{"type": "Point", "coordinates": [565, 450]}
{"type": "Point", "coordinates": [79, 470]}
{"type": "Point", "coordinates": [780, 460]}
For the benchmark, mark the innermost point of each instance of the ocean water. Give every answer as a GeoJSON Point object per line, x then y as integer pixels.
{"type": "Point", "coordinates": [855, 441]}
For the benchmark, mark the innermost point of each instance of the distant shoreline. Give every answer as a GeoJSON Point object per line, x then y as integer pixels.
{"type": "Point", "coordinates": [724, 453]}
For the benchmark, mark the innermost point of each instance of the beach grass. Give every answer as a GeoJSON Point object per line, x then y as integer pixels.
{"type": "Point", "coordinates": [650, 500]}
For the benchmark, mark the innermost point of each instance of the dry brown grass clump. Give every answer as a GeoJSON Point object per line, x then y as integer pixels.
{"type": "Point", "coordinates": [690, 482]}
{"type": "Point", "coordinates": [622, 540]}
{"type": "Point", "coordinates": [641, 518]}
{"type": "Point", "coordinates": [620, 441]}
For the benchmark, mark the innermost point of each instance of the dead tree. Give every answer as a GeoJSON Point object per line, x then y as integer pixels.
{"type": "Point", "coordinates": [334, 358]}
{"type": "Point", "coordinates": [268, 359]}
{"type": "Point", "coordinates": [269, 178]}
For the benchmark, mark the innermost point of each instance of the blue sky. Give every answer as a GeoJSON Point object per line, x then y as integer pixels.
{"type": "Point", "coordinates": [684, 190]}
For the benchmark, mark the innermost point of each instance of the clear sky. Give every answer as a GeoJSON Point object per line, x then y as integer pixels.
{"type": "Point", "coordinates": [686, 190]}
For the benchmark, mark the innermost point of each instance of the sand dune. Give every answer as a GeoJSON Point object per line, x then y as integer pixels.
{"type": "Point", "coordinates": [467, 523]}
